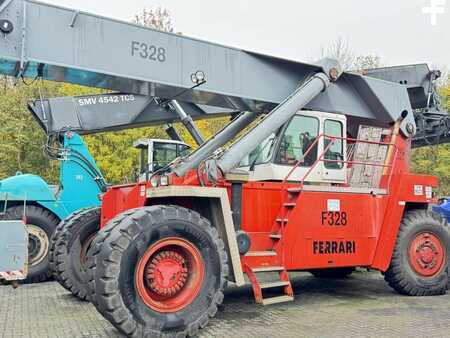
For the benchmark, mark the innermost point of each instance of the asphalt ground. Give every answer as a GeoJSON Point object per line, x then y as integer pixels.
{"type": "Point", "coordinates": [360, 306]}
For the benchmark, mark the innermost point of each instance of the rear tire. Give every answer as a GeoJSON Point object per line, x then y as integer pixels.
{"type": "Point", "coordinates": [419, 264]}
{"type": "Point", "coordinates": [51, 254]}
{"type": "Point", "coordinates": [139, 259]}
{"type": "Point", "coordinates": [71, 248]}
{"type": "Point", "coordinates": [41, 224]}
{"type": "Point", "coordinates": [54, 241]}
{"type": "Point", "coordinates": [332, 272]}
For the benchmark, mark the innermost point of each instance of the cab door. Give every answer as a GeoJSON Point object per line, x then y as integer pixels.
{"type": "Point", "coordinates": [333, 169]}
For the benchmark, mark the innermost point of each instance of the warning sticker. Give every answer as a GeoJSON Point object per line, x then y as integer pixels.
{"type": "Point", "coordinates": [418, 190]}
{"type": "Point", "coordinates": [333, 205]}
{"type": "Point", "coordinates": [428, 192]}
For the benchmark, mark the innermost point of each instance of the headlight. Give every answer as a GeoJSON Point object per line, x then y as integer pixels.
{"type": "Point", "coordinates": [164, 180]}
{"type": "Point", "coordinates": [154, 182]}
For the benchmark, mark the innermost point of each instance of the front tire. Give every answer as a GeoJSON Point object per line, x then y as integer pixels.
{"type": "Point", "coordinates": [94, 250]}
{"type": "Point", "coordinates": [160, 271]}
{"type": "Point", "coordinates": [71, 247]}
{"type": "Point", "coordinates": [41, 224]}
{"type": "Point", "coordinates": [419, 264]}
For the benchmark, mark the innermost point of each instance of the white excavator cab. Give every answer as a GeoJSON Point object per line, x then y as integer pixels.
{"type": "Point", "coordinates": [157, 153]}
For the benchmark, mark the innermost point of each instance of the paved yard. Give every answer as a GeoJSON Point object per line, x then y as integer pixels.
{"type": "Point", "coordinates": [361, 306]}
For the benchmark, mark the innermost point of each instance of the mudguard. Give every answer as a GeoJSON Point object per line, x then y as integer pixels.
{"type": "Point", "coordinates": [25, 187]}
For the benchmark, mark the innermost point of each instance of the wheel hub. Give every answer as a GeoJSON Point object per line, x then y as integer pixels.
{"type": "Point", "coordinates": [166, 273]}
{"type": "Point", "coordinates": [38, 244]}
{"type": "Point", "coordinates": [169, 275]}
{"type": "Point", "coordinates": [427, 254]}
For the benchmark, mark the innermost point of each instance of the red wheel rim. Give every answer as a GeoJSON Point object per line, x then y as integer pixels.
{"type": "Point", "coordinates": [427, 254]}
{"type": "Point", "coordinates": [169, 275]}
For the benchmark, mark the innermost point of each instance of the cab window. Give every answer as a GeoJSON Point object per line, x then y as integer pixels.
{"type": "Point", "coordinates": [261, 154]}
{"type": "Point", "coordinates": [336, 150]}
{"type": "Point", "coordinates": [163, 154]}
{"type": "Point", "coordinates": [144, 160]}
{"type": "Point", "coordinates": [183, 150]}
{"type": "Point", "coordinates": [299, 136]}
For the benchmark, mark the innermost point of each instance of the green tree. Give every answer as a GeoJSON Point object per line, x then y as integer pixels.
{"type": "Point", "coordinates": [445, 93]}
{"type": "Point", "coordinates": [21, 138]}
{"type": "Point", "coordinates": [435, 160]}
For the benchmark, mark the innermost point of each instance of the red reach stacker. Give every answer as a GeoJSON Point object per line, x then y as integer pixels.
{"type": "Point", "coordinates": [317, 191]}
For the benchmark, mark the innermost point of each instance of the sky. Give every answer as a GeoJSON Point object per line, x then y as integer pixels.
{"type": "Point", "coordinates": [395, 30]}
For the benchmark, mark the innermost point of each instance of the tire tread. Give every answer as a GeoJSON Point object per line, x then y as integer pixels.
{"type": "Point", "coordinates": [396, 276]}
{"type": "Point", "coordinates": [111, 305]}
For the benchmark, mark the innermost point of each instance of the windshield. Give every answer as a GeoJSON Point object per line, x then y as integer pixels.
{"type": "Point", "coordinates": [298, 137]}
{"type": "Point", "coordinates": [261, 154]}
{"type": "Point", "coordinates": [163, 154]}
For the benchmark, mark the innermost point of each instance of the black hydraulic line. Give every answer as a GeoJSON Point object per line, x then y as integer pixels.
{"type": "Point", "coordinates": [95, 174]}
{"type": "Point", "coordinates": [172, 133]}
{"type": "Point", "coordinates": [60, 154]}
{"type": "Point", "coordinates": [188, 122]}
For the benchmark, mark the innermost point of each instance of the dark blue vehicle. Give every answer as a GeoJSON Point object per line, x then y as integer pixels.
{"type": "Point", "coordinates": [443, 208]}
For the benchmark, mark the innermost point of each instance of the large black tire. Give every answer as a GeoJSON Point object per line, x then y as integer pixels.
{"type": "Point", "coordinates": [91, 261]}
{"type": "Point", "coordinates": [71, 248]}
{"type": "Point", "coordinates": [401, 275]}
{"type": "Point", "coordinates": [117, 277]}
{"type": "Point", "coordinates": [51, 254]}
{"type": "Point", "coordinates": [41, 224]}
{"type": "Point", "coordinates": [53, 242]}
{"type": "Point", "coordinates": [332, 272]}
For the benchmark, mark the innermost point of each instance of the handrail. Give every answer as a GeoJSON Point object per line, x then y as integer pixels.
{"type": "Point", "coordinates": [300, 160]}
{"type": "Point", "coordinates": [319, 158]}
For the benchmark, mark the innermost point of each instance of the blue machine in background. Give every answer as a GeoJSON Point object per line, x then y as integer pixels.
{"type": "Point", "coordinates": [443, 208]}
{"type": "Point", "coordinates": [42, 206]}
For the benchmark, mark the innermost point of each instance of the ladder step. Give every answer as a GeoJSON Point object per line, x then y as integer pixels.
{"type": "Point", "coordinates": [294, 190]}
{"type": "Point", "coordinates": [279, 299]}
{"type": "Point", "coordinates": [268, 269]}
{"type": "Point", "coordinates": [275, 236]}
{"type": "Point", "coordinates": [282, 220]}
{"type": "Point", "coordinates": [261, 253]}
{"type": "Point", "coordinates": [274, 284]}
{"type": "Point", "coordinates": [289, 205]}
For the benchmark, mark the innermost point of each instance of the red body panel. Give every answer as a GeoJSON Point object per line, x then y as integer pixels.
{"type": "Point", "coordinates": [313, 238]}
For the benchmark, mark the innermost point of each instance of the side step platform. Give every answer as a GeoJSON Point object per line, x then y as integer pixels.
{"type": "Point", "coordinates": [278, 299]}
{"type": "Point", "coordinates": [258, 287]}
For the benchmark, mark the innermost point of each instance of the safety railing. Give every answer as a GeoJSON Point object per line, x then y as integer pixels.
{"type": "Point", "coordinates": [351, 163]}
